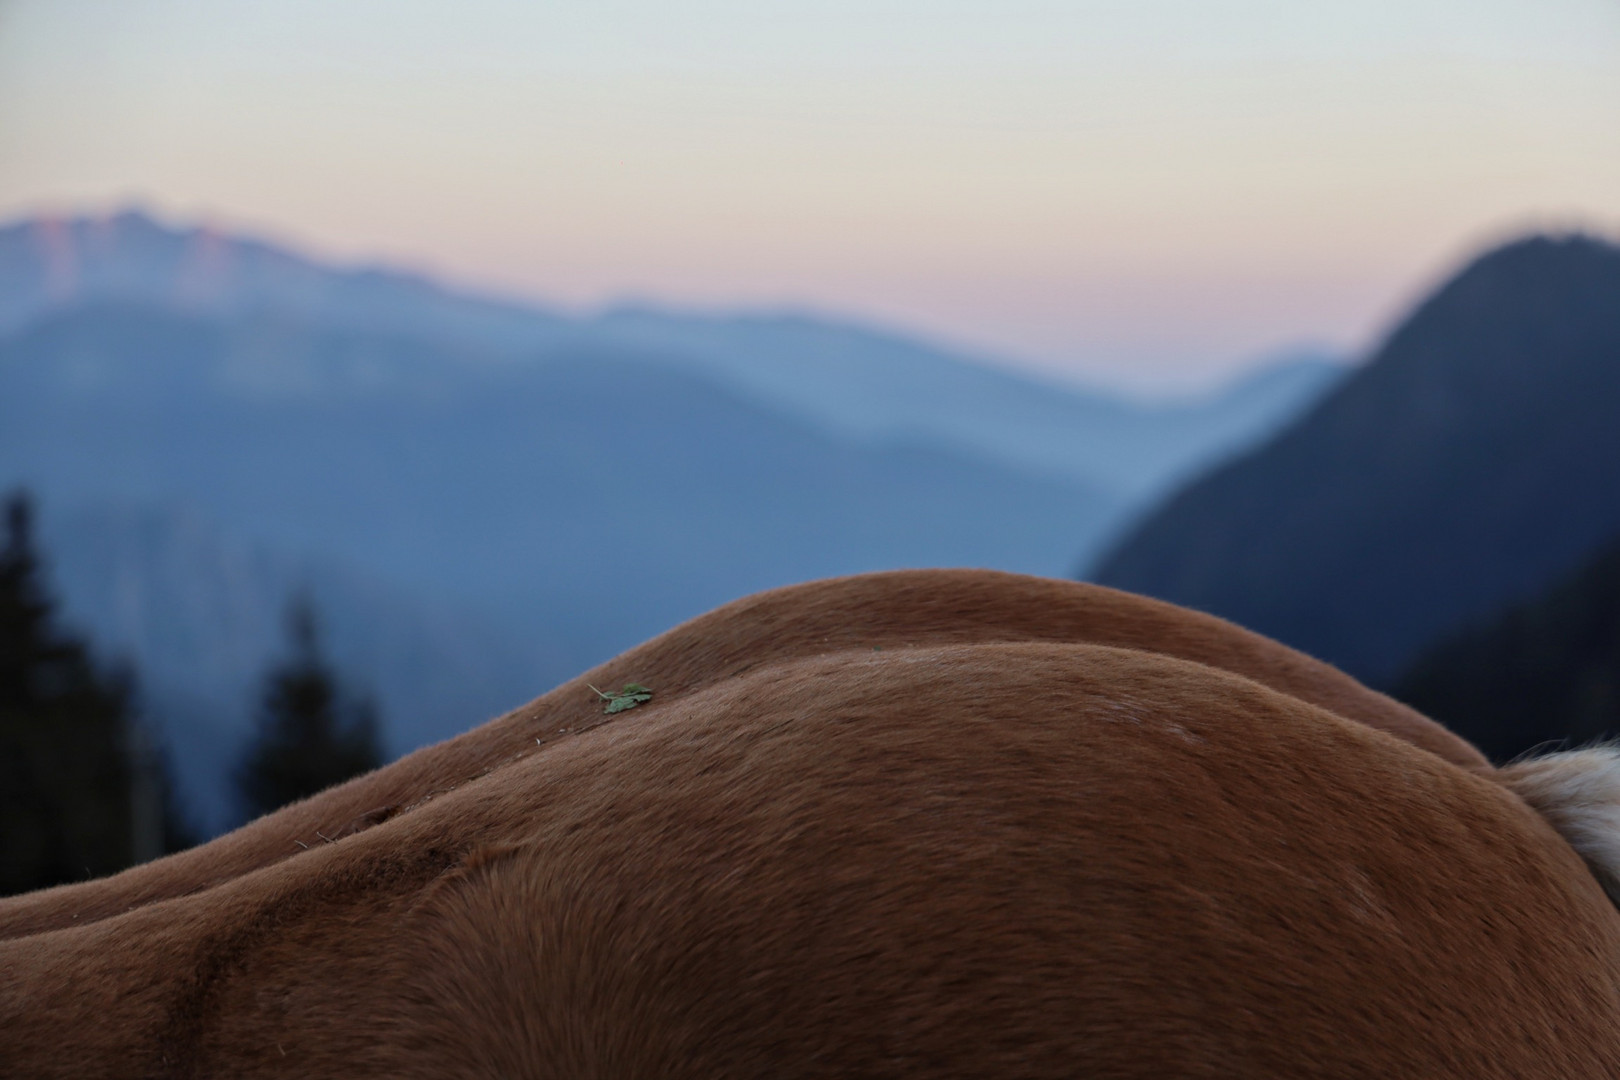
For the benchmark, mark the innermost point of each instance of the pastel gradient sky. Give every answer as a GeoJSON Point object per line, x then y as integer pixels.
{"type": "Point", "coordinates": [1151, 193]}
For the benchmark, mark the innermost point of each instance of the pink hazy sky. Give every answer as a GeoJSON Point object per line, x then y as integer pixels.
{"type": "Point", "coordinates": [1152, 194]}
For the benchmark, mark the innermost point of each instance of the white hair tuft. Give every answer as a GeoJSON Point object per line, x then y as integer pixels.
{"type": "Point", "coordinates": [1578, 792]}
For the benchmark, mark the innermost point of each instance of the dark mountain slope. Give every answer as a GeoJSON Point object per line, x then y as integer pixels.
{"type": "Point", "coordinates": [1472, 461]}
{"type": "Point", "coordinates": [1546, 670]}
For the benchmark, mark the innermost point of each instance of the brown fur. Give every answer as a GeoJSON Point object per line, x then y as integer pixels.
{"type": "Point", "coordinates": [922, 824]}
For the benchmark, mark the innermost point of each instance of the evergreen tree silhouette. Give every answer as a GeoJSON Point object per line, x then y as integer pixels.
{"type": "Point", "coordinates": [311, 733]}
{"type": "Point", "coordinates": [65, 735]}
{"type": "Point", "coordinates": [1542, 673]}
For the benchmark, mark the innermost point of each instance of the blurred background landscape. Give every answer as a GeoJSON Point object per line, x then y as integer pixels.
{"type": "Point", "coordinates": [381, 368]}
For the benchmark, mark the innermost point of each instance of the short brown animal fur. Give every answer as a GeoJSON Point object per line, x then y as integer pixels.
{"type": "Point", "coordinates": [935, 823]}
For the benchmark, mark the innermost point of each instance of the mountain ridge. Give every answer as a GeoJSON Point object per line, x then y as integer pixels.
{"type": "Point", "coordinates": [1468, 463]}
{"type": "Point", "coordinates": [559, 488]}
{"type": "Point", "coordinates": [852, 379]}
{"type": "Point", "coordinates": [582, 499]}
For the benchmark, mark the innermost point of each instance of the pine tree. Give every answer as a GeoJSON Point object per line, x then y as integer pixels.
{"type": "Point", "coordinates": [1544, 672]}
{"type": "Point", "coordinates": [312, 734]}
{"type": "Point", "coordinates": [65, 774]}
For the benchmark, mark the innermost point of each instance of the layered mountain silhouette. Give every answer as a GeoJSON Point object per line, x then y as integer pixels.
{"type": "Point", "coordinates": [585, 499]}
{"type": "Point", "coordinates": [51, 263]}
{"type": "Point", "coordinates": [865, 383]}
{"type": "Point", "coordinates": [849, 380]}
{"type": "Point", "coordinates": [485, 497]}
{"type": "Point", "coordinates": [1545, 671]}
{"type": "Point", "coordinates": [1474, 460]}
{"type": "Point", "coordinates": [629, 494]}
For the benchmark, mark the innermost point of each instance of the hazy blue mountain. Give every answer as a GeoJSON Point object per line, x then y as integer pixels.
{"type": "Point", "coordinates": [847, 379]}
{"type": "Point", "coordinates": [1475, 459]}
{"type": "Point", "coordinates": [199, 613]}
{"type": "Point", "coordinates": [47, 264]}
{"type": "Point", "coordinates": [867, 383]}
{"type": "Point", "coordinates": [489, 496]}
{"type": "Point", "coordinates": [577, 496]}
{"type": "Point", "coordinates": [1545, 671]}
{"type": "Point", "coordinates": [411, 459]}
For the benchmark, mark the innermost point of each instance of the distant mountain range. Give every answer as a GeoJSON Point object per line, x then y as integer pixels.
{"type": "Point", "coordinates": [630, 493]}
{"type": "Point", "coordinates": [590, 499]}
{"type": "Point", "coordinates": [51, 263]}
{"type": "Point", "coordinates": [1473, 461]}
{"type": "Point", "coordinates": [869, 384]}
{"type": "Point", "coordinates": [847, 379]}
{"type": "Point", "coordinates": [485, 497]}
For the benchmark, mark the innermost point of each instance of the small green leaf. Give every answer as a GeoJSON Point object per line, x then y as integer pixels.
{"type": "Point", "coordinates": [632, 695]}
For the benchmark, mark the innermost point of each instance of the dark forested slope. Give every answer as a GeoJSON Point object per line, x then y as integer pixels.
{"type": "Point", "coordinates": [1475, 459]}
{"type": "Point", "coordinates": [1545, 670]}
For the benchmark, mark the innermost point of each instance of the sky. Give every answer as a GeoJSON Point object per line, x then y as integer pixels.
{"type": "Point", "coordinates": [1154, 193]}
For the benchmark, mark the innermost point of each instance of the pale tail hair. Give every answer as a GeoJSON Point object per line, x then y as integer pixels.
{"type": "Point", "coordinates": [1578, 792]}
